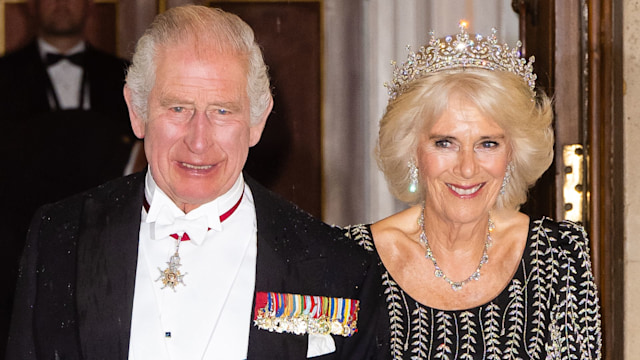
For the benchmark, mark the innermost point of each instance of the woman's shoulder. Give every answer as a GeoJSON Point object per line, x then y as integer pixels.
{"type": "Point", "coordinates": [378, 235]}
{"type": "Point", "coordinates": [361, 234]}
{"type": "Point", "coordinates": [559, 233]}
{"type": "Point", "coordinates": [563, 240]}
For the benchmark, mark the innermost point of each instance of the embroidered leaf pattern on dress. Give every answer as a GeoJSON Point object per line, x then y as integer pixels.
{"type": "Point", "coordinates": [394, 306]}
{"type": "Point", "coordinates": [515, 312]}
{"type": "Point", "coordinates": [360, 234]}
{"type": "Point", "coordinates": [469, 334]}
{"type": "Point", "coordinates": [536, 279]}
{"type": "Point", "coordinates": [443, 327]}
{"type": "Point", "coordinates": [421, 333]}
{"type": "Point", "coordinates": [492, 332]}
{"type": "Point", "coordinates": [549, 310]}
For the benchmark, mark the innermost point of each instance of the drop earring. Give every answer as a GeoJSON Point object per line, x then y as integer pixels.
{"type": "Point", "coordinates": [413, 177]}
{"type": "Point", "coordinates": [506, 178]}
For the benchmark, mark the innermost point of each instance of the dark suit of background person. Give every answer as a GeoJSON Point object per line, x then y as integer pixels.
{"type": "Point", "coordinates": [78, 294]}
{"type": "Point", "coordinates": [47, 152]}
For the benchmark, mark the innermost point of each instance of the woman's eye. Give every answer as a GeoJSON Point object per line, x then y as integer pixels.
{"type": "Point", "coordinates": [488, 144]}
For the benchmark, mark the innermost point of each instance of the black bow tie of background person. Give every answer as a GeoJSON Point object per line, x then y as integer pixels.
{"type": "Point", "coordinates": [77, 58]}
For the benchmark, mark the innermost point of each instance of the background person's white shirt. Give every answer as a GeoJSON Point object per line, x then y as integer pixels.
{"type": "Point", "coordinates": [66, 78]}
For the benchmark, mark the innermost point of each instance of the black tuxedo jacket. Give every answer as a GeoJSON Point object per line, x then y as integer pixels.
{"type": "Point", "coordinates": [75, 293]}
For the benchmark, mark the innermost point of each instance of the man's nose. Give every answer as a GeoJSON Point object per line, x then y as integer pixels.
{"type": "Point", "coordinates": [199, 130]}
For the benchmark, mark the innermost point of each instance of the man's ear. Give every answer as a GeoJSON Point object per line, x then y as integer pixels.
{"type": "Point", "coordinates": [137, 122]}
{"type": "Point", "coordinates": [255, 132]}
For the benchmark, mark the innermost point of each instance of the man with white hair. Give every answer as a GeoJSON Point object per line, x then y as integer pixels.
{"type": "Point", "coordinates": [191, 259]}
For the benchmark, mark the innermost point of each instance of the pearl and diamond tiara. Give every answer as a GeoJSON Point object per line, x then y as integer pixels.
{"type": "Point", "coordinates": [461, 52]}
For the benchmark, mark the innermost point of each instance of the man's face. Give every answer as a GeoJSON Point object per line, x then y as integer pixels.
{"type": "Point", "coordinates": [61, 17]}
{"type": "Point", "coordinates": [198, 133]}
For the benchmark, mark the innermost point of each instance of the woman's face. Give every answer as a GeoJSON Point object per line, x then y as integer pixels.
{"type": "Point", "coordinates": [462, 161]}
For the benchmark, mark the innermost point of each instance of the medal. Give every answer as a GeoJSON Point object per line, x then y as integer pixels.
{"type": "Point", "coordinates": [305, 314]}
{"type": "Point", "coordinates": [171, 276]}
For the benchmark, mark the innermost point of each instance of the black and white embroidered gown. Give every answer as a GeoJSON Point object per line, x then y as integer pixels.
{"type": "Point", "coordinates": [549, 310]}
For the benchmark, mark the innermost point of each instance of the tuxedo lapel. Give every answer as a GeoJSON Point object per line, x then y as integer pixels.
{"type": "Point", "coordinates": [105, 75]}
{"type": "Point", "coordinates": [298, 254]}
{"type": "Point", "coordinates": [107, 258]}
{"type": "Point", "coordinates": [36, 78]}
{"type": "Point", "coordinates": [101, 96]}
{"type": "Point", "coordinates": [272, 274]}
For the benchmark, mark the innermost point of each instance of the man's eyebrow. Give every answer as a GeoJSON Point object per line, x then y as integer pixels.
{"type": "Point", "coordinates": [232, 105]}
{"type": "Point", "coordinates": [176, 99]}
{"type": "Point", "coordinates": [172, 99]}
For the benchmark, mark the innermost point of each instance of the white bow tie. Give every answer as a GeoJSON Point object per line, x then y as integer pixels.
{"type": "Point", "coordinates": [196, 229]}
{"type": "Point", "coordinates": [168, 223]}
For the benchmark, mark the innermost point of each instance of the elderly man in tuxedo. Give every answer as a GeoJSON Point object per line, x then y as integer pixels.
{"type": "Point", "coordinates": [191, 259]}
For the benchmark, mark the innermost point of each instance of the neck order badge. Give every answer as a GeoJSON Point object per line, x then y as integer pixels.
{"type": "Point", "coordinates": [172, 276]}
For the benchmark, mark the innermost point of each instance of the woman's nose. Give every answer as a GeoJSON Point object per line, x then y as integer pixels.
{"type": "Point", "coordinates": [467, 163]}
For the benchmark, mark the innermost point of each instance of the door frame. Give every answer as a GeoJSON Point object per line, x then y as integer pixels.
{"type": "Point", "coordinates": [581, 41]}
{"type": "Point", "coordinates": [605, 121]}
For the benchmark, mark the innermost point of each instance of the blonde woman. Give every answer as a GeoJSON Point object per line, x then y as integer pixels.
{"type": "Point", "coordinates": [466, 275]}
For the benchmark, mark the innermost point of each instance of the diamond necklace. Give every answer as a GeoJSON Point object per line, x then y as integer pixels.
{"type": "Point", "coordinates": [456, 285]}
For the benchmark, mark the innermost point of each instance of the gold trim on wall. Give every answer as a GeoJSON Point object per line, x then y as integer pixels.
{"type": "Point", "coordinates": [3, 43]}
{"type": "Point", "coordinates": [267, 1]}
{"type": "Point", "coordinates": [116, 22]}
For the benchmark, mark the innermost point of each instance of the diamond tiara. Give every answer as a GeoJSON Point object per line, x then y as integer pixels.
{"type": "Point", "coordinates": [461, 52]}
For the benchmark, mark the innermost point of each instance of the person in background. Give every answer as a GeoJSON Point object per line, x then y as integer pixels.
{"type": "Point", "coordinates": [191, 259]}
{"type": "Point", "coordinates": [64, 122]}
{"type": "Point", "coordinates": [466, 275]}
{"type": "Point", "coordinates": [59, 69]}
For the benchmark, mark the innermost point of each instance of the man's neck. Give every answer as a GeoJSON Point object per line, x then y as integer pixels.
{"type": "Point", "coordinates": [62, 43]}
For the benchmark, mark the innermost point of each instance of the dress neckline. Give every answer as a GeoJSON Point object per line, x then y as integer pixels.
{"type": "Point", "coordinates": [503, 295]}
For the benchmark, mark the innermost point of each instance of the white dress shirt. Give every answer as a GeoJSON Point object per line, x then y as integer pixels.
{"type": "Point", "coordinates": [66, 78]}
{"type": "Point", "coordinates": [209, 316]}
